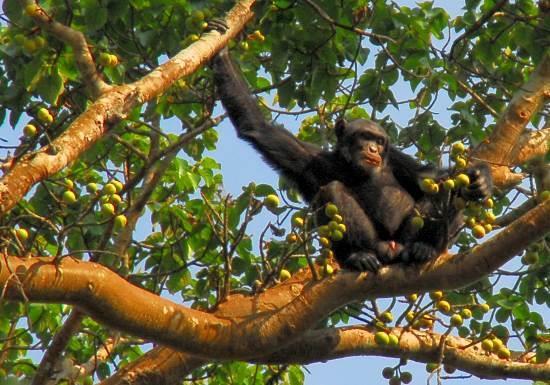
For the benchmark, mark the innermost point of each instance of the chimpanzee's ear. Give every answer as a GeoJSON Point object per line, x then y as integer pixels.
{"type": "Point", "coordinates": [340, 126]}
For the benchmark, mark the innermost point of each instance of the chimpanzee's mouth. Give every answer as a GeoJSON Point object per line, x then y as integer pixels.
{"type": "Point", "coordinates": [373, 160]}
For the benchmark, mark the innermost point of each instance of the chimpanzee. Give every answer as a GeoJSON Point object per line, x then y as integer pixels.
{"type": "Point", "coordinates": [375, 186]}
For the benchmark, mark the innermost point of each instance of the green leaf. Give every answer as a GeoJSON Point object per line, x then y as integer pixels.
{"type": "Point", "coordinates": [35, 312]}
{"type": "Point", "coordinates": [502, 315]}
{"type": "Point", "coordinates": [51, 85]}
{"type": "Point", "coordinates": [331, 86]}
{"type": "Point", "coordinates": [537, 320]}
{"type": "Point", "coordinates": [542, 296]}
{"type": "Point", "coordinates": [262, 82]}
{"type": "Point", "coordinates": [390, 77]}
{"type": "Point", "coordinates": [282, 3]}
{"type": "Point", "coordinates": [210, 163]}
{"type": "Point", "coordinates": [263, 190]}
{"type": "Point", "coordinates": [521, 311]}
{"type": "Point", "coordinates": [471, 4]}
{"type": "Point", "coordinates": [501, 331]}
{"type": "Point", "coordinates": [190, 181]}
{"type": "Point", "coordinates": [279, 56]}
{"type": "Point", "coordinates": [286, 93]}
{"type": "Point", "coordinates": [12, 9]}
{"type": "Point", "coordinates": [117, 9]}
{"type": "Point", "coordinates": [368, 85]}
{"type": "Point", "coordinates": [33, 72]}
{"type": "Point", "coordinates": [95, 17]}
{"type": "Point", "coordinates": [315, 87]}
{"type": "Point", "coordinates": [295, 375]}
{"type": "Point", "coordinates": [66, 66]}
{"type": "Point", "coordinates": [178, 281]}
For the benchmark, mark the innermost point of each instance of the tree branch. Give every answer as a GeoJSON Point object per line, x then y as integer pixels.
{"type": "Point", "coordinates": [531, 145]}
{"type": "Point", "coordinates": [356, 30]}
{"type": "Point", "coordinates": [262, 323]}
{"type": "Point", "coordinates": [83, 57]}
{"type": "Point", "coordinates": [477, 25]}
{"type": "Point", "coordinates": [162, 365]}
{"type": "Point", "coordinates": [500, 149]}
{"type": "Point", "coordinates": [421, 346]}
{"type": "Point", "coordinates": [113, 106]}
{"type": "Point", "coordinates": [159, 366]}
{"type": "Point", "coordinates": [517, 212]}
{"type": "Point", "coordinates": [57, 346]}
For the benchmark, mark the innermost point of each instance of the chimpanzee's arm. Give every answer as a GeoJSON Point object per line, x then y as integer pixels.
{"type": "Point", "coordinates": [442, 219]}
{"type": "Point", "coordinates": [409, 173]}
{"type": "Point", "coordinates": [297, 160]}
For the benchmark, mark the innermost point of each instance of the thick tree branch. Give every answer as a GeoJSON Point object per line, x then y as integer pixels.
{"type": "Point", "coordinates": [159, 366]}
{"type": "Point", "coordinates": [113, 106]}
{"type": "Point", "coordinates": [531, 145]}
{"type": "Point", "coordinates": [281, 316]}
{"type": "Point", "coordinates": [329, 344]}
{"type": "Point", "coordinates": [500, 149]}
{"type": "Point", "coordinates": [262, 323]}
{"type": "Point", "coordinates": [517, 212]}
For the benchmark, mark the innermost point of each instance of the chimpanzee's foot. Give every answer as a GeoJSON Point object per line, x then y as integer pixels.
{"type": "Point", "coordinates": [363, 261]}
{"type": "Point", "coordinates": [418, 252]}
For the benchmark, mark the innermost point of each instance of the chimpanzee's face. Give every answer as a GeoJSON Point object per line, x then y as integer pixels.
{"type": "Point", "coordinates": [363, 144]}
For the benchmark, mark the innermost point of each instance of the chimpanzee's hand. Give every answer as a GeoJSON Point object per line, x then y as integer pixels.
{"type": "Point", "coordinates": [481, 183]}
{"type": "Point", "coordinates": [418, 252]}
{"type": "Point", "coordinates": [363, 261]}
{"type": "Point", "coordinates": [217, 24]}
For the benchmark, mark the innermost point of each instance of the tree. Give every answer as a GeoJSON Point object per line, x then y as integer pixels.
{"type": "Point", "coordinates": [94, 89]}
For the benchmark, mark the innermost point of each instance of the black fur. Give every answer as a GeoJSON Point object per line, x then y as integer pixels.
{"type": "Point", "coordinates": [374, 185]}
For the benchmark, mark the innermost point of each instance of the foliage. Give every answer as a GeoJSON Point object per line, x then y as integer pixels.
{"type": "Point", "coordinates": [447, 75]}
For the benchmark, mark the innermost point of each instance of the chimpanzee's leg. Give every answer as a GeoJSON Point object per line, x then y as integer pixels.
{"type": "Point", "coordinates": [442, 219]}
{"type": "Point", "coordinates": [361, 248]}
{"type": "Point", "coordinates": [442, 222]}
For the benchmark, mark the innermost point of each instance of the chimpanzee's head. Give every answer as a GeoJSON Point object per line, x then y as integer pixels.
{"type": "Point", "coordinates": [362, 143]}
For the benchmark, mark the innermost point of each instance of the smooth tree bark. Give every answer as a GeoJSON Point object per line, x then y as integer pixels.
{"type": "Point", "coordinates": [264, 323]}
{"type": "Point", "coordinates": [506, 146]}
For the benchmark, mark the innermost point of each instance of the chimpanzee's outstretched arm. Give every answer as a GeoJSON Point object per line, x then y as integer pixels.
{"type": "Point", "coordinates": [296, 159]}
{"type": "Point", "coordinates": [242, 108]}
